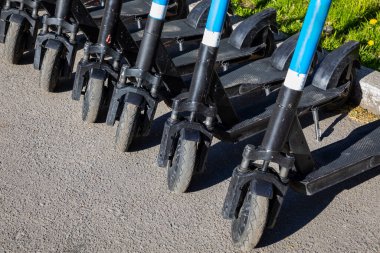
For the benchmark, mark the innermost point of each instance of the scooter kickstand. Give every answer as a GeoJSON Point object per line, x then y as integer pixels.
{"type": "Point", "coordinates": [317, 128]}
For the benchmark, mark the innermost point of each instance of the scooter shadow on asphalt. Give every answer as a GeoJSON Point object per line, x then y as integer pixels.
{"type": "Point", "coordinates": [27, 58]}
{"type": "Point", "coordinates": [298, 210]}
{"type": "Point", "coordinates": [223, 157]}
{"type": "Point", "coordinates": [154, 137]}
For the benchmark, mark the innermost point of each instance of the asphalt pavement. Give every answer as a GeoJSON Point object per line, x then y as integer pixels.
{"type": "Point", "coordinates": [63, 187]}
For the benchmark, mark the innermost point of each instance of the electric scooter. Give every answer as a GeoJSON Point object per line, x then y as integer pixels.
{"type": "Point", "coordinates": [209, 110]}
{"type": "Point", "coordinates": [283, 159]}
{"type": "Point", "coordinates": [139, 97]}
{"type": "Point", "coordinates": [117, 44]}
{"type": "Point", "coordinates": [185, 33]}
{"type": "Point", "coordinates": [57, 44]}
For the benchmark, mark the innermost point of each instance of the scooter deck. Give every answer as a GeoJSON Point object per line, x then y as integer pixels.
{"type": "Point", "coordinates": [254, 117]}
{"type": "Point", "coordinates": [176, 29]}
{"type": "Point", "coordinates": [357, 153]}
{"type": "Point", "coordinates": [226, 53]}
{"type": "Point", "coordinates": [139, 8]}
{"type": "Point", "coordinates": [251, 77]}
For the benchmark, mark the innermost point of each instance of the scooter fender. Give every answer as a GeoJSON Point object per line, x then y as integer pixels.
{"type": "Point", "coordinates": [197, 18]}
{"type": "Point", "coordinates": [262, 184]}
{"type": "Point", "coordinates": [38, 55]}
{"type": "Point", "coordinates": [245, 34]}
{"type": "Point", "coordinates": [282, 56]}
{"type": "Point", "coordinates": [134, 98]}
{"type": "Point", "coordinates": [333, 65]}
{"type": "Point", "coordinates": [191, 135]}
{"type": "Point", "coordinates": [54, 44]}
{"type": "Point", "coordinates": [98, 74]}
{"type": "Point", "coordinates": [4, 23]}
{"type": "Point", "coordinates": [17, 18]}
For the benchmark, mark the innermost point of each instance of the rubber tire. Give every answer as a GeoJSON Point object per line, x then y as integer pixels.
{"type": "Point", "coordinates": [181, 171]}
{"type": "Point", "coordinates": [247, 229]}
{"type": "Point", "coordinates": [93, 99]}
{"type": "Point", "coordinates": [127, 128]}
{"type": "Point", "coordinates": [50, 70]}
{"type": "Point", "coordinates": [14, 45]}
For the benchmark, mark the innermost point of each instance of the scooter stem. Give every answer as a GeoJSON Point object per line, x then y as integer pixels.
{"type": "Point", "coordinates": [291, 92]}
{"type": "Point", "coordinates": [208, 50]}
{"type": "Point", "coordinates": [152, 34]}
{"type": "Point", "coordinates": [111, 13]}
{"type": "Point", "coordinates": [62, 8]}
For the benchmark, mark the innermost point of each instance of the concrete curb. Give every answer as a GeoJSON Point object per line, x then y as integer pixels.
{"type": "Point", "coordinates": [368, 90]}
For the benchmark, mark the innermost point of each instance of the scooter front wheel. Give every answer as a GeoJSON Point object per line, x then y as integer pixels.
{"type": "Point", "coordinates": [14, 44]}
{"type": "Point", "coordinates": [181, 171]}
{"type": "Point", "coordinates": [50, 70]}
{"type": "Point", "coordinates": [92, 100]}
{"type": "Point", "coordinates": [249, 226]}
{"type": "Point", "coordinates": [128, 126]}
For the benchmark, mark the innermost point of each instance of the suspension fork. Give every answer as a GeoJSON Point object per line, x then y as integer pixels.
{"type": "Point", "coordinates": [290, 94]}
{"type": "Point", "coordinates": [208, 52]}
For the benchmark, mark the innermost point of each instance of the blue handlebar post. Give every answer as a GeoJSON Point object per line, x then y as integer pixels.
{"type": "Point", "coordinates": [215, 22]}
{"type": "Point", "coordinates": [307, 44]}
{"type": "Point", "coordinates": [285, 111]}
{"type": "Point", "coordinates": [208, 50]}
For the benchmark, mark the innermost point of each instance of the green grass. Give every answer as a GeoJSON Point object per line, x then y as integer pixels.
{"type": "Point", "coordinates": [350, 20]}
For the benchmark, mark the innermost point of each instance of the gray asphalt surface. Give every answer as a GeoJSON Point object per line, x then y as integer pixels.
{"type": "Point", "coordinates": [63, 188]}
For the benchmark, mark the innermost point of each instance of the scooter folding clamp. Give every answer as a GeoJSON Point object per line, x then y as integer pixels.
{"type": "Point", "coordinates": [252, 154]}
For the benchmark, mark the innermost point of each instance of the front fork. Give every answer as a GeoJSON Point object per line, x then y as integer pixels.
{"type": "Point", "coordinates": [138, 85]}
{"type": "Point", "coordinates": [20, 14]}
{"type": "Point", "coordinates": [58, 32]}
{"type": "Point", "coordinates": [96, 53]}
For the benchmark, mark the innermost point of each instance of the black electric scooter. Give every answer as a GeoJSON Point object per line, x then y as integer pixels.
{"type": "Point", "coordinates": [283, 159]}
{"type": "Point", "coordinates": [116, 44]}
{"type": "Point", "coordinates": [207, 111]}
{"type": "Point", "coordinates": [57, 44]}
{"type": "Point", "coordinates": [185, 33]}
{"type": "Point", "coordinates": [252, 39]}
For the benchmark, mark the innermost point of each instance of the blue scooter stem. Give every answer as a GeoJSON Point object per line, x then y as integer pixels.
{"type": "Point", "coordinates": [307, 44]}
{"type": "Point", "coordinates": [215, 22]}
{"type": "Point", "coordinates": [208, 50]}
{"type": "Point", "coordinates": [290, 94]}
